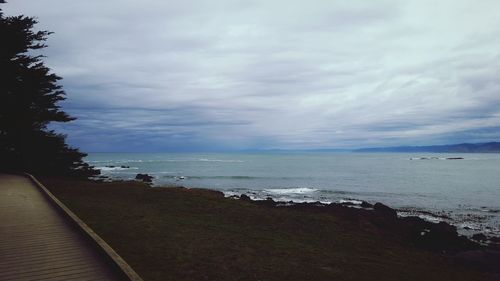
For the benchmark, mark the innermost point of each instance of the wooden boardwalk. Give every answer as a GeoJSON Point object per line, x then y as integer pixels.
{"type": "Point", "coordinates": [37, 242]}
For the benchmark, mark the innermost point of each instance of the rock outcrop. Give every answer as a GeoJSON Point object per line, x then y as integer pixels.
{"type": "Point", "coordinates": [144, 177]}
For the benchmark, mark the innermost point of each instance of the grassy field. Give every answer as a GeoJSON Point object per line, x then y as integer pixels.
{"type": "Point", "coordinates": [181, 234]}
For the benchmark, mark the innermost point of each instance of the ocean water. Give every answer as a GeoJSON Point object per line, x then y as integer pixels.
{"type": "Point", "coordinates": [464, 192]}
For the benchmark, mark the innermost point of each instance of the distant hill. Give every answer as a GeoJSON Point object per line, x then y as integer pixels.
{"type": "Point", "coordinates": [488, 147]}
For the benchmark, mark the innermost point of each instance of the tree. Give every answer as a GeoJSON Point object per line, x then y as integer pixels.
{"type": "Point", "coordinates": [29, 97]}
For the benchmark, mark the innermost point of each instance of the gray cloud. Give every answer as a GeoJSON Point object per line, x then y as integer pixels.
{"type": "Point", "coordinates": [167, 75]}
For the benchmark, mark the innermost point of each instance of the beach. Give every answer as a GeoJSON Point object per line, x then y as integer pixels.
{"type": "Point", "coordinates": [197, 234]}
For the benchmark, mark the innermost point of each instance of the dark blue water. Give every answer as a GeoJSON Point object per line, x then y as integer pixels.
{"type": "Point", "coordinates": [467, 191]}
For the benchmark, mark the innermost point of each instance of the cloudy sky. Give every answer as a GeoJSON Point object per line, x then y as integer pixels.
{"type": "Point", "coordinates": [195, 75]}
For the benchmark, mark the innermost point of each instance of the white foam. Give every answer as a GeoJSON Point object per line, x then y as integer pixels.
{"type": "Point", "coordinates": [116, 168]}
{"type": "Point", "coordinates": [297, 190]}
{"type": "Point", "coordinates": [469, 225]}
{"type": "Point", "coordinates": [425, 217]}
{"type": "Point", "coordinates": [353, 201]}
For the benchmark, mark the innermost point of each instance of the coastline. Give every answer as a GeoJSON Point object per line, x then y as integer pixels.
{"type": "Point", "coordinates": [423, 217]}
{"type": "Point", "coordinates": [462, 228]}
{"type": "Point", "coordinates": [466, 223]}
{"type": "Point", "coordinates": [460, 192]}
{"type": "Point", "coordinates": [472, 228]}
{"type": "Point", "coordinates": [203, 229]}
{"type": "Point", "coordinates": [422, 222]}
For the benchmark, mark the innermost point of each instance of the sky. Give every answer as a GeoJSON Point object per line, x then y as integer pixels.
{"type": "Point", "coordinates": [214, 75]}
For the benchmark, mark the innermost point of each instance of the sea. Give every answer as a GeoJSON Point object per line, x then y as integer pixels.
{"type": "Point", "coordinates": [461, 189]}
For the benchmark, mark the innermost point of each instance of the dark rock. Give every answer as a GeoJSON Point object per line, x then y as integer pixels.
{"type": "Point", "coordinates": [443, 237]}
{"type": "Point", "coordinates": [269, 202]}
{"type": "Point", "coordinates": [385, 210]}
{"type": "Point", "coordinates": [454, 158]}
{"type": "Point", "coordinates": [444, 228]}
{"type": "Point", "coordinates": [479, 237]}
{"type": "Point", "coordinates": [436, 237]}
{"type": "Point", "coordinates": [209, 192]}
{"type": "Point", "coordinates": [245, 197]}
{"type": "Point", "coordinates": [125, 167]}
{"type": "Point", "coordinates": [110, 166]}
{"type": "Point", "coordinates": [144, 177]}
{"type": "Point", "coordinates": [365, 204]}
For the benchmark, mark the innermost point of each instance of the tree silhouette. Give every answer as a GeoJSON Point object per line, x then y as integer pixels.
{"type": "Point", "coordinates": [29, 96]}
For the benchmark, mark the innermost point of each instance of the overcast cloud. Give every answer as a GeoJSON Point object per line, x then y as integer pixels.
{"type": "Point", "coordinates": [214, 75]}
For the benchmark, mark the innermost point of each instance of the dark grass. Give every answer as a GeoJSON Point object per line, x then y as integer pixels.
{"type": "Point", "coordinates": [181, 234]}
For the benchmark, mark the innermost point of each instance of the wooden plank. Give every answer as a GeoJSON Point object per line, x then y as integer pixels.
{"type": "Point", "coordinates": [58, 259]}
{"type": "Point", "coordinates": [111, 255]}
{"type": "Point", "coordinates": [38, 242]}
{"type": "Point", "coordinates": [48, 268]}
{"type": "Point", "coordinates": [26, 240]}
{"type": "Point", "coordinates": [42, 256]}
{"type": "Point", "coordinates": [19, 245]}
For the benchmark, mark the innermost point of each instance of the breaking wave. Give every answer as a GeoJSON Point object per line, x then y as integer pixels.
{"type": "Point", "coordinates": [295, 190]}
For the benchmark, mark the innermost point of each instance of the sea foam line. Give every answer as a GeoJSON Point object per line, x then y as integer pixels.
{"type": "Point", "coordinates": [295, 190]}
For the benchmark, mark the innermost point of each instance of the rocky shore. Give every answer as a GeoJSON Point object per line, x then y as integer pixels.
{"type": "Point", "coordinates": [438, 237]}
{"type": "Point", "coordinates": [479, 251]}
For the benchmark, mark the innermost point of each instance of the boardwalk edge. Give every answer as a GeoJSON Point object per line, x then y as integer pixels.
{"type": "Point", "coordinates": [112, 256]}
